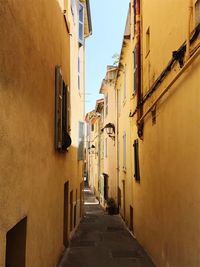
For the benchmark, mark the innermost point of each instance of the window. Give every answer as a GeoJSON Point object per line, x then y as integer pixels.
{"type": "Point", "coordinates": [124, 82]}
{"type": "Point", "coordinates": [81, 141]}
{"type": "Point", "coordinates": [106, 100]}
{"type": "Point", "coordinates": [106, 148]}
{"type": "Point", "coordinates": [136, 160]}
{"type": "Point", "coordinates": [124, 151]}
{"type": "Point", "coordinates": [81, 23]}
{"type": "Point", "coordinates": [134, 70]}
{"type": "Point", "coordinates": [92, 127]}
{"type": "Point", "coordinates": [79, 76]}
{"type": "Point", "coordinates": [197, 12]}
{"type": "Point", "coordinates": [62, 112]}
{"type": "Point", "coordinates": [147, 41]}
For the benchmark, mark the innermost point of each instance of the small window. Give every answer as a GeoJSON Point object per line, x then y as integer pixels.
{"type": "Point", "coordinates": [92, 127]}
{"type": "Point", "coordinates": [147, 41]}
{"type": "Point", "coordinates": [136, 161]}
{"type": "Point", "coordinates": [197, 12]}
{"type": "Point", "coordinates": [124, 151]}
{"type": "Point", "coordinates": [81, 23]}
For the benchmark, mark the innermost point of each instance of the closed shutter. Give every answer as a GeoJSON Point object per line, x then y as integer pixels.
{"type": "Point", "coordinates": [81, 141]}
{"type": "Point", "coordinates": [81, 23]}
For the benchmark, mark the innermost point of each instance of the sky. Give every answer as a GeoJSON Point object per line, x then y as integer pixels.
{"type": "Point", "coordinates": [108, 24]}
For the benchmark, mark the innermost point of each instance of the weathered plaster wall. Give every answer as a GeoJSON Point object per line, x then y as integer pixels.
{"type": "Point", "coordinates": [33, 40]}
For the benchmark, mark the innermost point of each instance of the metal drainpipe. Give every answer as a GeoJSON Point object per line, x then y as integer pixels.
{"type": "Point", "coordinates": [138, 58]}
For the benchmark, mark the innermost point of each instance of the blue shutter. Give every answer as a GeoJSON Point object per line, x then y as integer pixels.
{"type": "Point", "coordinates": [81, 23]}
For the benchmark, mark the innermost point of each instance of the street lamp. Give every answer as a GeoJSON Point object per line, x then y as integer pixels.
{"type": "Point", "coordinates": [92, 150]}
{"type": "Point", "coordinates": [110, 130]}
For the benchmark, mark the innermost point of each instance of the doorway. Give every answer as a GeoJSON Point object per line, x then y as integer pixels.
{"type": "Point", "coordinates": [16, 245]}
{"type": "Point", "coordinates": [66, 210]}
{"type": "Point", "coordinates": [71, 210]}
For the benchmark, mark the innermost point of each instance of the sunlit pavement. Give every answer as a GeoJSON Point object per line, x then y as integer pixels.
{"type": "Point", "coordinates": [103, 240]}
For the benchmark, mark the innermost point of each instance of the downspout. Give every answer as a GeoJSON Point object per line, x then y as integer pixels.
{"type": "Point", "coordinates": [138, 59]}
{"type": "Point", "coordinates": [190, 9]}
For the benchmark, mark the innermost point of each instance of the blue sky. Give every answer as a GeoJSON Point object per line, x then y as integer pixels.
{"type": "Point", "coordinates": [108, 24]}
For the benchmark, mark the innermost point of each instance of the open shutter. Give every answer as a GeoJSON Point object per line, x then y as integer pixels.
{"type": "Point", "coordinates": [136, 160]}
{"type": "Point", "coordinates": [81, 141]}
{"type": "Point", "coordinates": [81, 23]}
{"type": "Point", "coordinates": [58, 107]}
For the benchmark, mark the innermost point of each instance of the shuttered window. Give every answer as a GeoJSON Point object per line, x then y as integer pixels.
{"type": "Point", "coordinates": [81, 140]}
{"type": "Point", "coordinates": [81, 23]}
{"type": "Point", "coordinates": [62, 110]}
{"type": "Point", "coordinates": [136, 160]}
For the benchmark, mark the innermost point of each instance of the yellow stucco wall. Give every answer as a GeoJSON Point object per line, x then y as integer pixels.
{"type": "Point", "coordinates": [110, 167]}
{"type": "Point", "coordinates": [34, 39]}
{"type": "Point", "coordinates": [125, 175]}
{"type": "Point", "coordinates": [166, 210]}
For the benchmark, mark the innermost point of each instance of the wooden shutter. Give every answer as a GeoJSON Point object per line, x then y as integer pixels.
{"type": "Point", "coordinates": [81, 23]}
{"type": "Point", "coordinates": [136, 160]}
{"type": "Point", "coordinates": [81, 141]}
{"type": "Point", "coordinates": [58, 107]}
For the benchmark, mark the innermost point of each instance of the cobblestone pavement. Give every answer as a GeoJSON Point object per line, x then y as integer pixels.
{"type": "Point", "coordinates": [103, 240]}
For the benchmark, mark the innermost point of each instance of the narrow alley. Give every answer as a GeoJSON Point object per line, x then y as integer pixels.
{"type": "Point", "coordinates": [103, 240]}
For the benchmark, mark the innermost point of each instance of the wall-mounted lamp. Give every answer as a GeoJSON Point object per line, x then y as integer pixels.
{"type": "Point", "coordinates": [110, 130]}
{"type": "Point", "coordinates": [92, 150]}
